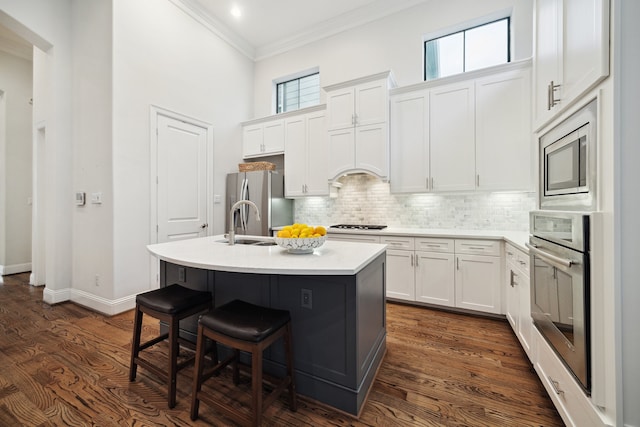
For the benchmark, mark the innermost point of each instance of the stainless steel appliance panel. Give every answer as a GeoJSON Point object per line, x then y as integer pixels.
{"type": "Point", "coordinates": [266, 190]}
{"type": "Point", "coordinates": [568, 163]}
{"type": "Point", "coordinates": [560, 287]}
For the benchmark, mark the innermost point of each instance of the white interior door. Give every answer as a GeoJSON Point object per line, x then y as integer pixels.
{"type": "Point", "coordinates": [181, 180]}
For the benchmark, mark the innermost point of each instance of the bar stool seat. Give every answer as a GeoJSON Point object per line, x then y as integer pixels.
{"type": "Point", "coordinates": [243, 327]}
{"type": "Point", "coordinates": [169, 304]}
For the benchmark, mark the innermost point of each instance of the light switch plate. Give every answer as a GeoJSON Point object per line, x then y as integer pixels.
{"type": "Point", "coordinates": [96, 198]}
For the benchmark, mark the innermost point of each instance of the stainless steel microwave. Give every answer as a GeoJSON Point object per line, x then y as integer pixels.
{"type": "Point", "coordinates": [568, 163]}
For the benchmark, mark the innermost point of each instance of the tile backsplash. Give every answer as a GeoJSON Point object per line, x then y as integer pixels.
{"type": "Point", "coordinates": [364, 199]}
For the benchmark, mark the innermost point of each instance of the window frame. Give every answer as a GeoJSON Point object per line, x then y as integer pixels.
{"type": "Point", "coordinates": [463, 29]}
{"type": "Point", "coordinates": [289, 79]}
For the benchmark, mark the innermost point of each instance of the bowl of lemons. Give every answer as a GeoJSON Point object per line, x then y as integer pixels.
{"type": "Point", "coordinates": [301, 238]}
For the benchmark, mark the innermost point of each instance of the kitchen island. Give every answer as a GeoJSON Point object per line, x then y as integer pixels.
{"type": "Point", "coordinates": [336, 297]}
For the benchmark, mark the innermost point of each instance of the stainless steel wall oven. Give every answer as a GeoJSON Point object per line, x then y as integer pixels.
{"type": "Point", "coordinates": [560, 287]}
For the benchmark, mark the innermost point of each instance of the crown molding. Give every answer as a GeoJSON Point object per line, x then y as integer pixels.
{"type": "Point", "coordinates": [194, 10]}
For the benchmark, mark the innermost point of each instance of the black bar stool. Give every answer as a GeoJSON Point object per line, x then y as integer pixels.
{"type": "Point", "coordinates": [170, 304]}
{"type": "Point", "coordinates": [250, 328]}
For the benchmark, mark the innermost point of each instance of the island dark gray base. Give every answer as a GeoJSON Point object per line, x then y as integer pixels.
{"type": "Point", "coordinates": [339, 324]}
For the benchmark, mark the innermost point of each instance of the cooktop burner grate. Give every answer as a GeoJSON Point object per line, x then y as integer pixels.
{"type": "Point", "coordinates": [359, 226]}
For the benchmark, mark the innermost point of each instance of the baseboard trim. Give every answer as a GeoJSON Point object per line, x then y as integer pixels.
{"type": "Point", "coordinates": [103, 305]}
{"type": "Point", "coordinates": [15, 268]}
{"type": "Point", "coordinates": [55, 297]}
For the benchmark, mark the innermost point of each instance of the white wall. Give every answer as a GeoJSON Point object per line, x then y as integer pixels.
{"type": "Point", "coordinates": [15, 151]}
{"type": "Point", "coordinates": [392, 43]}
{"type": "Point", "coordinates": [47, 24]}
{"type": "Point", "coordinates": [162, 57]}
{"type": "Point", "coordinates": [627, 232]}
{"type": "Point", "coordinates": [92, 239]}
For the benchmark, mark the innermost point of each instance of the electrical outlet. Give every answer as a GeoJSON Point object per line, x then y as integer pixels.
{"type": "Point", "coordinates": [182, 274]}
{"type": "Point", "coordinates": [97, 280]}
{"type": "Point", "coordinates": [306, 298]}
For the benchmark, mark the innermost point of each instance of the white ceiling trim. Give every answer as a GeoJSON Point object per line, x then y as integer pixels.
{"type": "Point", "coordinates": [344, 22]}
{"type": "Point", "coordinates": [194, 10]}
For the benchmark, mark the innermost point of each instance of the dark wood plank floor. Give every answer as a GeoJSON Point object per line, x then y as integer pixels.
{"type": "Point", "coordinates": [65, 365]}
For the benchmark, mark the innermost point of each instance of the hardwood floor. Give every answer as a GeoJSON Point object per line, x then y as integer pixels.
{"type": "Point", "coordinates": [65, 365]}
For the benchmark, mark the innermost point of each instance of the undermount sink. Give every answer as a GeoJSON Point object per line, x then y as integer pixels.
{"type": "Point", "coordinates": [253, 241]}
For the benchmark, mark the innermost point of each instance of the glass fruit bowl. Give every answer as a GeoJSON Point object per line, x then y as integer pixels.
{"type": "Point", "coordinates": [300, 245]}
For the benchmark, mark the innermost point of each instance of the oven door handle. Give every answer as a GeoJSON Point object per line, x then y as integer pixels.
{"type": "Point", "coordinates": [560, 262]}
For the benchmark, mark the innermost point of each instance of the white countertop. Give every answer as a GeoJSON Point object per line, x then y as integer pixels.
{"type": "Point", "coordinates": [517, 238]}
{"type": "Point", "coordinates": [332, 258]}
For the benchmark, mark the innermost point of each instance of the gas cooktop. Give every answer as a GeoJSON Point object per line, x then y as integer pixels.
{"type": "Point", "coordinates": [359, 226]}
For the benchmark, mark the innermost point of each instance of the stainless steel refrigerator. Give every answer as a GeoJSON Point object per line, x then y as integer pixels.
{"type": "Point", "coordinates": [266, 190]}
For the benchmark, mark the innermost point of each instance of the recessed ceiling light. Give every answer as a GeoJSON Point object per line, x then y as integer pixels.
{"type": "Point", "coordinates": [236, 12]}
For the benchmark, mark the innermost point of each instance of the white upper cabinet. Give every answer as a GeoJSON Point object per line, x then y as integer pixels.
{"type": "Point", "coordinates": [503, 132]}
{"type": "Point", "coordinates": [409, 147]}
{"type": "Point", "coordinates": [305, 156]}
{"type": "Point", "coordinates": [451, 135]}
{"type": "Point", "coordinates": [474, 134]}
{"type": "Point", "coordinates": [262, 138]}
{"type": "Point", "coordinates": [571, 53]}
{"type": "Point", "coordinates": [357, 123]}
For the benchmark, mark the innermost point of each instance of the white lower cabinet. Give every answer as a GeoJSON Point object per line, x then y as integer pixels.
{"type": "Point", "coordinates": [517, 295]}
{"type": "Point", "coordinates": [479, 275]}
{"type": "Point", "coordinates": [445, 272]}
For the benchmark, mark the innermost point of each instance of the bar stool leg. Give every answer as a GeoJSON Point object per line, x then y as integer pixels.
{"type": "Point", "coordinates": [236, 370]}
{"type": "Point", "coordinates": [135, 349]}
{"type": "Point", "coordinates": [256, 384]}
{"type": "Point", "coordinates": [197, 372]}
{"type": "Point", "coordinates": [173, 359]}
{"type": "Point", "coordinates": [288, 348]}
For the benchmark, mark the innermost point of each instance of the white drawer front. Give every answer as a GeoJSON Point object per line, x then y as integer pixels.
{"type": "Point", "coordinates": [354, 238]}
{"type": "Point", "coordinates": [397, 242]}
{"type": "Point", "coordinates": [478, 247]}
{"type": "Point", "coordinates": [435, 245]}
{"type": "Point", "coordinates": [517, 257]}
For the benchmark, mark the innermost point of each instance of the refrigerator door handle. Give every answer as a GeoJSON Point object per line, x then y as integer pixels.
{"type": "Point", "coordinates": [243, 209]}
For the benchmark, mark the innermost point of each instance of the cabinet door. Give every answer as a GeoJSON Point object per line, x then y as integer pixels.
{"type": "Point", "coordinates": [585, 46]}
{"type": "Point", "coordinates": [252, 140]}
{"type": "Point", "coordinates": [547, 53]}
{"type": "Point", "coordinates": [371, 103]}
{"type": "Point", "coordinates": [479, 283]}
{"type": "Point", "coordinates": [273, 140]}
{"type": "Point", "coordinates": [372, 149]}
{"type": "Point", "coordinates": [435, 278]}
{"type": "Point", "coordinates": [340, 109]}
{"type": "Point", "coordinates": [400, 275]}
{"type": "Point", "coordinates": [512, 298]}
{"type": "Point", "coordinates": [342, 151]}
{"type": "Point", "coordinates": [503, 132]}
{"type": "Point", "coordinates": [317, 155]}
{"type": "Point", "coordinates": [524, 313]}
{"type": "Point", "coordinates": [409, 145]}
{"type": "Point", "coordinates": [295, 156]}
{"type": "Point", "coordinates": [452, 137]}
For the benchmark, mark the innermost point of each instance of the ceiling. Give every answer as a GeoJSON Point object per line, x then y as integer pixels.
{"type": "Point", "coordinates": [268, 27]}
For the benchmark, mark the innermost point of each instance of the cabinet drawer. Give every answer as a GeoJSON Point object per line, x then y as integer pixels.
{"type": "Point", "coordinates": [435, 245]}
{"type": "Point", "coordinates": [400, 243]}
{"type": "Point", "coordinates": [478, 247]}
{"type": "Point", "coordinates": [354, 238]}
{"type": "Point", "coordinates": [517, 258]}
{"type": "Point", "coordinates": [566, 394]}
